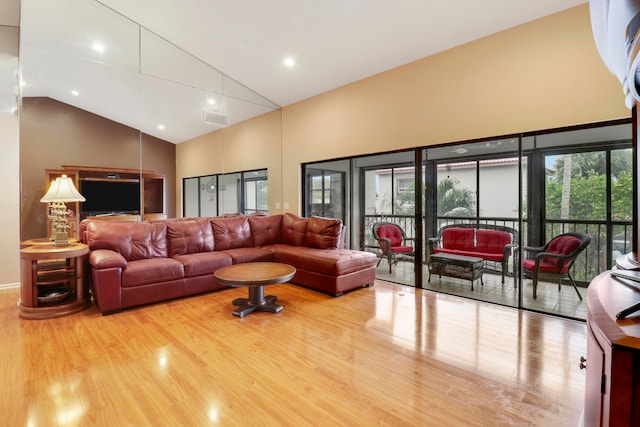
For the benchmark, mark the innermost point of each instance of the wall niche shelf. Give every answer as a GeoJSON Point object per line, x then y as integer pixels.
{"type": "Point", "coordinates": [135, 195]}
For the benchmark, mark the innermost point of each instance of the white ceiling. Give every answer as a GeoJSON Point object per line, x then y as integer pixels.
{"type": "Point", "coordinates": [334, 42]}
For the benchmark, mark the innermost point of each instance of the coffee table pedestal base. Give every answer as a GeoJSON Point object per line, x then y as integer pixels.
{"type": "Point", "coordinates": [256, 302]}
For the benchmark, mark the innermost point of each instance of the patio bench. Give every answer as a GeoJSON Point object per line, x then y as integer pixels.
{"type": "Point", "coordinates": [492, 243]}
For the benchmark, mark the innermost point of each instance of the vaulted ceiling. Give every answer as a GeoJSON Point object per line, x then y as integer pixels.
{"type": "Point", "coordinates": [235, 48]}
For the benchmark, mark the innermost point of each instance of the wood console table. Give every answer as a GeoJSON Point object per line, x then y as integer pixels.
{"type": "Point", "coordinates": [52, 280]}
{"type": "Point", "coordinates": [612, 389]}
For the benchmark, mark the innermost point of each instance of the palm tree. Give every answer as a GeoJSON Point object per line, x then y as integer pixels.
{"type": "Point", "coordinates": [454, 201]}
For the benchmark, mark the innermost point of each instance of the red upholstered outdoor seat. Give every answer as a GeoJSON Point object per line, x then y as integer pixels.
{"type": "Point", "coordinates": [555, 259]}
{"type": "Point", "coordinates": [492, 243]}
{"type": "Point", "coordinates": [392, 241]}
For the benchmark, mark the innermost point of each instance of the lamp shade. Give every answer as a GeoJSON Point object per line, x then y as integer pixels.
{"type": "Point", "coordinates": [62, 190]}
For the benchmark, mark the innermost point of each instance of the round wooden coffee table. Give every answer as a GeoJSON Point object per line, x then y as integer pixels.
{"type": "Point", "coordinates": [255, 275]}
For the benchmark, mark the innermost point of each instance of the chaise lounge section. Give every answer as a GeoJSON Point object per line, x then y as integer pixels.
{"type": "Point", "coordinates": [138, 263]}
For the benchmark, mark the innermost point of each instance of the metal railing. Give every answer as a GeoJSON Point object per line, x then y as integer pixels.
{"type": "Point", "coordinates": [608, 240]}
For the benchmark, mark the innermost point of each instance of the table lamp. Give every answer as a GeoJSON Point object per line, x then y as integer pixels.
{"type": "Point", "coordinates": [61, 191]}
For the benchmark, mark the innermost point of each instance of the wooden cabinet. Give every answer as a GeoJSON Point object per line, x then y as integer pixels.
{"type": "Point", "coordinates": [52, 279]}
{"type": "Point", "coordinates": [612, 388]}
{"type": "Point", "coordinates": [145, 190]}
{"type": "Point", "coordinates": [153, 195]}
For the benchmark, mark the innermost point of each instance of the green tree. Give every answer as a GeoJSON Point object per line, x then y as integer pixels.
{"type": "Point", "coordinates": [622, 197]}
{"type": "Point", "coordinates": [587, 187]}
{"type": "Point", "coordinates": [453, 201]}
{"type": "Point", "coordinates": [406, 201]}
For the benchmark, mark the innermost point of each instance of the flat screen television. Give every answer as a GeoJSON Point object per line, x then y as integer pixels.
{"type": "Point", "coordinates": [110, 197]}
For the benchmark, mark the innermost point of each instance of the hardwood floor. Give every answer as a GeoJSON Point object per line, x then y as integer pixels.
{"type": "Point", "coordinates": [386, 355]}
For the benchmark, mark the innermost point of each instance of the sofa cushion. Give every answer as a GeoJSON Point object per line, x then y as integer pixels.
{"type": "Point", "coordinates": [323, 233]}
{"type": "Point", "coordinates": [189, 236]}
{"type": "Point", "coordinates": [242, 255]}
{"type": "Point", "coordinates": [203, 263]}
{"type": "Point", "coordinates": [229, 233]}
{"type": "Point", "coordinates": [154, 270]}
{"type": "Point", "coordinates": [132, 240]}
{"type": "Point", "coordinates": [294, 228]}
{"type": "Point", "coordinates": [266, 230]}
{"type": "Point", "coordinates": [458, 238]}
{"type": "Point", "coordinates": [492, 241]}
{"type": "Point", "coordinates": [331, 262]}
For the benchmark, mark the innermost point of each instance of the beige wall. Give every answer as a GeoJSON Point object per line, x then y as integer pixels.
{"type": "Point", "coordinates": [253, 144]}
{"type": "Point", "coordinates": [540, 75]}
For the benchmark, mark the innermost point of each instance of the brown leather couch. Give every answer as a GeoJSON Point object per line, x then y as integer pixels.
{"type": "Point", "coordinates": [137, 263]}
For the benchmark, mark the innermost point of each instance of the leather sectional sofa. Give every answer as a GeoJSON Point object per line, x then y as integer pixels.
{"type": "Point", "coordinates": [137, 263]}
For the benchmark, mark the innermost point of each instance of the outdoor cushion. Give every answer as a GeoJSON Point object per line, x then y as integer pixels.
{"type": "Point", "coordinates": [458, 238]}
{"type": "Point", "coordinates": [547, 265]}
{"type": "Point", "coordinates": [492, 241]}
{"type": "Point", "coordinates": [562, 245]}
{"type": "Point", "coordinates": [392, 233]}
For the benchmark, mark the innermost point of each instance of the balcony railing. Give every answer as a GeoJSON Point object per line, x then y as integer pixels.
{"type": "Point", "coordinates": [608, 240]}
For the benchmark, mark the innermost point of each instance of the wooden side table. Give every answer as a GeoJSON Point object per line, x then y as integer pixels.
{"type": "Point", "coordinates": [52, 280]}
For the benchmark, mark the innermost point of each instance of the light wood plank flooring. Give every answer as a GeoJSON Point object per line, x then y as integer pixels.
{"type": "Point", "coordinates": [387, 355]}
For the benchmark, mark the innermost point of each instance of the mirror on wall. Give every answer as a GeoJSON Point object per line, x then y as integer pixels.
{"type": "Point", "coordinates": [106, 99]}
{"type": "Point", "coordinates": [9, 36]}
{"type": "Point", "coordinates": [9, 136]}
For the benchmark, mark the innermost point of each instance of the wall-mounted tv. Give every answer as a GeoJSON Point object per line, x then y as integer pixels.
{"type": "Point", "coordinates": [110, 196]}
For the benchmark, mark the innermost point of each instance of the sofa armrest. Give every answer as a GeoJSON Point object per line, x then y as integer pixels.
{"type": "Point", "coordinates": [508, 248]}
{"type": "Point", "coordinates": [106, 279]}
{"type": "Point", "coordinates": [434, 242]}
{"type": "Point", "coordinates": [106, 258]}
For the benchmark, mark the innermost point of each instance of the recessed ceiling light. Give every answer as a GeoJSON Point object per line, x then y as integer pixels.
{"type": "Point", "coordinates": [211, 101]}
{"type": "Point", "coordinates": [289, 62]}
{"type": "Point", "coordinates": [98, 47]}
{"type": "Point", "coordinates": [75, 93]}
{"type": "Point", "coordinates": [161, 126]}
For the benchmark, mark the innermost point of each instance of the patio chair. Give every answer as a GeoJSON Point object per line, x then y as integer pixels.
{"type": "Point", "coordinates": [554, 260]}
{"type": "Point", "coordinates": [392, 242]}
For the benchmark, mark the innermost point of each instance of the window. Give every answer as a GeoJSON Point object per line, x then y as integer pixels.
{"type": "Point", "coordinates": [213, 195]}
{"type": "Point", "coordinates": [325, 193]}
